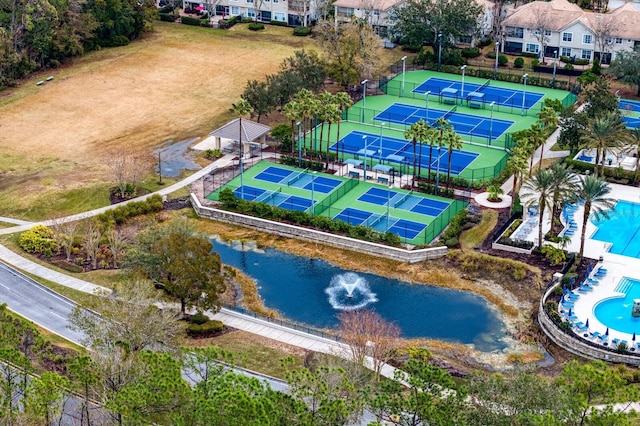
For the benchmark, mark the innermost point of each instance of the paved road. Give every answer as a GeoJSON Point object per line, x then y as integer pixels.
{"type": "Point", "coordinates": [37, 303]}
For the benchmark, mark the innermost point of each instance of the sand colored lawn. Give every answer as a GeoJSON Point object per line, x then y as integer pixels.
{"type": "Point", "coordinates": [178, 82]}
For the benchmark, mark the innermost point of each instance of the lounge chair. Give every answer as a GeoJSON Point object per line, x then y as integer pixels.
{"type": "Point", "coordinates": [625, 343]}
{"type": "Point", "coordinates": [572, 318]}
{"type": "Point", "coordinates": [615, 341]}
{"type": "Point", "coordinates": [572, 297]}
{"type": "Point", "coordinates": [593, 281]}
{"type": "Point", "coordinates": [595, 334]}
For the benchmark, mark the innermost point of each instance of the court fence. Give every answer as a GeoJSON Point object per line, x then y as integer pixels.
{"type": "Point", "coordinates": [358, 114]}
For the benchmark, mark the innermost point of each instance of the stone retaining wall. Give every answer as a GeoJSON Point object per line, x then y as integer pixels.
{"type": "Point", "coordinates": [286, 230]}
{"type": "Point", "coordinates": [573, 343]}
{"type": "Point", "coordinates": [504, 247]}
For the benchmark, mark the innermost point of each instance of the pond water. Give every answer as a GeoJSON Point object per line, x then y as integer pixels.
{"type": "Point", "coordinates": [174, 157]}
{"type": "Point", "coordinates": [312, 291]}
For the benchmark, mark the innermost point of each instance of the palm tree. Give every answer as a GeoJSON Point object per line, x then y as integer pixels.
{"type": "Point", "coordinates": [517, 164]}
{"type": "Point", "coordinates": [538, 190]}
{"type": "Point", "coordinates": [324, 101]}
{"type": "Point", "coordinates": [452, 141]}
{"type": "Point", "coordinates": [344, 102]}
{"type": "Point", "coordinates": [564, 185]}
{"type": "Point", "coordinates": [536, 135]}
{"type": "Point", "coordinates": [442, 127]}
{"type": "Point", "coordinates": [634, 148]}
{"type": "Point", "coordinates": [548, 117]}
{"type": "Point", "coordinates": [307, 107]}
{"type": "Point", "coordinates": [606, 131]}
{"type": "Point", "coordinates": [417, 132]}
{"type": "Point", "coordinates": [292, 111]}
{"type": "Point", "coordinates": [240, 109]}
{"type": "Point", "coordinates": [333, 115]}
{"type": "Point", "coordinates": [592, 192]}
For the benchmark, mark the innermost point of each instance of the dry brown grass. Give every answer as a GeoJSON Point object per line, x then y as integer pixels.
{"type": "Point", "coordinates": [177, 82]}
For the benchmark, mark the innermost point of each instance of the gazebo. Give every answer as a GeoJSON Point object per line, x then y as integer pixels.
{"type": "Point", "coordinates": [244, 140]}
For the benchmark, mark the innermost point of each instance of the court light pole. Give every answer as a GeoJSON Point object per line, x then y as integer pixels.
{"type": "Point", "coordinates": [491, 121]}
{"type": "Point", "coordinates": [524, 91]}
{"type": "Point", "coordinates": [299, 145]}
{"type": "Point", "coordinates": [404, 60]}
{"type": "Point", "coordinates": [439, 50]}
{"type": "Point", "coordinates": [464, 67]}
{"type": "Point", "coordinates": [555, 64]}
{"type": "Point", "coordinates": [364, 96]}
{"type": "Point", "coordinates": [495, 70]}
{"type": "Point", "coordinates": [388, 203]}
{"type": "Point", "coordinates": [364, 138]}
{"type": "Point", "coordinates": [427, 105]}
{"type": "Point", "coordinates": [438, 171]}
{"type": "Point", "coordinates": [313, 187]}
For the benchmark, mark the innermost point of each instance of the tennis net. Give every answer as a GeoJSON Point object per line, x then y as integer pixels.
{"type": "Point", "coordinates": [484, 85]}
{"type": "Point", "coordinates": [296, 177]}
{"type": "Point", "coordinates": [374, 220]}
{"type": "Point", "coordinates": [450, 112]}
{"type": "Point", "coordinates": [402, 200]}
{"type": "Point", "coordinates": [267, 196]}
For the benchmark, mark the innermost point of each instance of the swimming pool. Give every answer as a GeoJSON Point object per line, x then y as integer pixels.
{"type": "Point", "coordinates": [622, 229]}
{"type": "Point", "coordinates": [615, 312]}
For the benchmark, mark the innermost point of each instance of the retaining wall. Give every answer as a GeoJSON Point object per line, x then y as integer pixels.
{"type": "Point", "coordinates": [574, 343]}
{"type": "Point", "coordinates": [286, 230]}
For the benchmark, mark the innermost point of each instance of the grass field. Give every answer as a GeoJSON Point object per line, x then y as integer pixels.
{"type": "Point", "coordinates": [179, 81]}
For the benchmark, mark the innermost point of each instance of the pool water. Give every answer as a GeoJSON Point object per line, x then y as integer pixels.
{"type": "Point", "coordinates": [615, 312]}
{"type": "Point", "coordinates": [621, 229]}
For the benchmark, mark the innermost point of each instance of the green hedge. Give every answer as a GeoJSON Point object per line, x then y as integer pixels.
{"type": "Point", "coordinates": [168, 17]}
{"type": "Point", "coordinates": [166, 9]}
{"type": "Point", "coordinates": [306, 164]}
{"type": "Point", "coordinates": [266, 211]}
{"type": "Point", "coordinates": [121, 213]}
{"type": "Point", "coordinates": [255, 27]}
{"type": "Point", "coordinates": [187, 20]}
{"type": "Point", "coordinates": [279, 23]}
{"type": "Point", "coordinates": [614, 175]}
{"type": "Point", "coordinates": [228, 23]}
{"type": "Point", "coordinates": [206, 329]}
{"type": "Point", "coordinates": [246, 20]}
{"type": "Point", "coordinates": [301, 31]}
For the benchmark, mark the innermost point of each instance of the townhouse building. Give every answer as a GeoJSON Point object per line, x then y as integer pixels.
{"type": "Point", "coordinates": [294, 13]}
{"type": "Point", "coordinates": [559, 28]}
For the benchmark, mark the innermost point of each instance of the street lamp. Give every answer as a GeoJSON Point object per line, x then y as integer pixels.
{"type": "Point", "coordinates": [555, 64]}
{"type": "Point", "coordinates": [464, 67]}
{"type": "Point", "coordinates": [524, 91]}
{"type": "Point", "coordinates": [427, 104]}
{"type": "Point", "coordinates": [299, 124]}
{"type": "Point", "coordinates": [364, 96]}
{"type": "Point", "coordinates": [404, 60]}
{"type": "Point", "coordinates": [364, 138]}
{"type": "Point", "coordinates": [491, 122]}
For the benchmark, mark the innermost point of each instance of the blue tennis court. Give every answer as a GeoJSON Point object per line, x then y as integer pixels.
{"type": "Point", "coordinates": [465, 124]}
{"type": "Point", "coordinates": [404, 201]}
{"type": "Point", "coordinates": [274, 174]}
{"type": "Point", "coordinates": [499, 95]}
{"type": "Point", "coordinates": [404, 228]}
{"type": "Point", "coordinates": [274, 198]}
{"type": "Point", "coordinates": [629, 105]}
{"type": "Point", "coordinates": [631, 122]}
{"type": "Point", "coordinates": [248, 193]}
{"type": "Point", "coordinates": [379, 148]}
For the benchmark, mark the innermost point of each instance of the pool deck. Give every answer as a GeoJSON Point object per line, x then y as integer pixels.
{"type": "Point", "coordinates": [617, 267]}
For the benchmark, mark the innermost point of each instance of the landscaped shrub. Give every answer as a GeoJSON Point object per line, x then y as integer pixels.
{"type": "Point", "coordinates": [581, 61]}
{"type": "Point", "coordinates": [301, 31]}
{"type": "Point", "coordinates": [529, 54]}
{"type": "Point", "coordinates": [255, 26]}
{"type": "Point", "coordinates": [470, 52]}
{"type": "Point", "coordinates": [203, 330]}
{"type": "Point", "coordinates": [518, 63]}
{"type": "Point", "coordinates": [187, 20]}
{"type": "Point", "coordinates": [198, 318]}
{"type": "Point", "coordinates": [485, 41]}
{"type": "Point", "coordinates": [39, 239]}
{"type": "Point", "coordinates": [554, 255]}
{"type": "Point", "coordinates": [121, 213]}
{"type": "Point", "coordinates": [278, 23]}
{"type": "Point", "coordinates": [535, 63]}
{"type": "Point", "coordinates": [491, 54]}
{"type": "Point", "coordinates": [568, 67]}
{"type": "Point", "coordinates": [503, 60]}
{"type": "Point", "coordinates": [306, 164]}
{"type": "Point", "coordinates": [166, 9]}
{"type": "Point", "coordinates": [246, 20]}
{"type": "Point", "coordinates": [168, 17]}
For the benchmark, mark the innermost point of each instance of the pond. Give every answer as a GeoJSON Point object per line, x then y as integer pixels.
{"type": "Point", "coordinates": [312, 291]}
